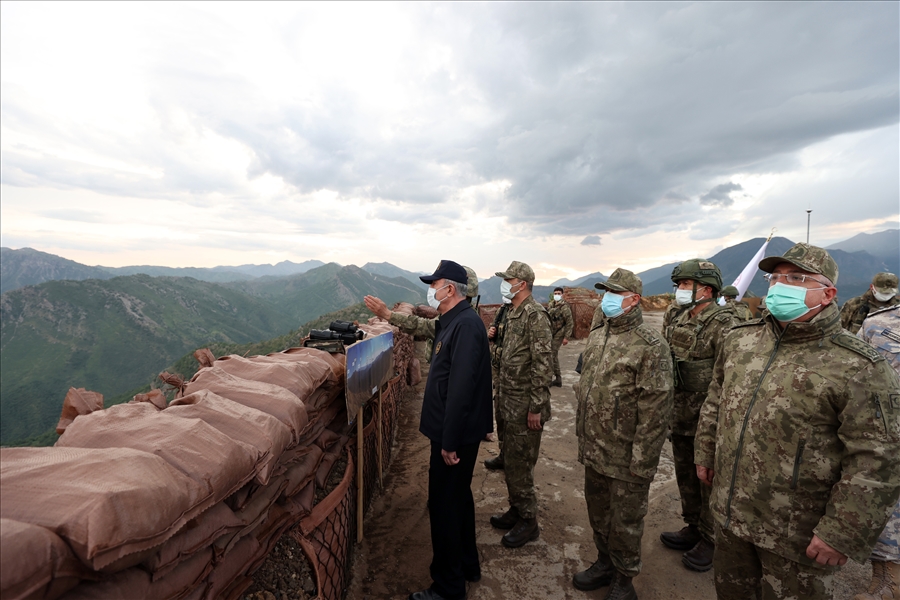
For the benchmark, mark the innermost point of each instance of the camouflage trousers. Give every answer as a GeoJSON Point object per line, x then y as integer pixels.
{"type": "Point", "coordinates": [746, 572]}
{"type": "Point", "coordinates": [554, 346]}
{"type": "Point", "coordinates": [501, 423]}
{"type": "Point", "coordinates": [694, 494]}
{"type": "Point", "coordinates": [521, 447]}
{"type": "Point", "coordinates": [887, 549]}
{"type": "Point", "coordinates": [616, 510]}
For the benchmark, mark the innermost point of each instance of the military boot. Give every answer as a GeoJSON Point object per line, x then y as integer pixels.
{"type": "Point", "coordinates": [525, 531]}
{"type": "Point", "coordinates": [621, 589]}
{"type": "Point", "coordinates": [507, 520]}
{"type": "Point", "coordinates": [495, 463]}
{"type": "Point", "coordinates": [700, 557]}
{"type": "Point", "coordinates": [683, 539]}
{"type": "Point", "coordinates": [885, 577]}
{"type": "Point", "coordinates": [596, 576]}
{"type": "Point", "coordinates": [556, 382]}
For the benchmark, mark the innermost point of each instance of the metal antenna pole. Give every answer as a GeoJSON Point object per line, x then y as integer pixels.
{"type": "Point", "coordinates": [807, 225]}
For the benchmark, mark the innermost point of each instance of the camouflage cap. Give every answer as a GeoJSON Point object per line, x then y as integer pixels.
{"type": "Point", "coordinates": [472, 288]}
{"type": "Point", "coordinates": [729, 290]}
{"type": "Point", "coordinates": [517, 270]}
{"type": "Point", "coordinates": [885, 283]}
{"type": "Point", "coordinates": [811, 259]}
{"type": "Point", "coordinates": [622, 280]}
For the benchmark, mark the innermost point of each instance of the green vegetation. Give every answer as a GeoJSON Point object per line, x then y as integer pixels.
{"type": "Point", "coordinates": [115, 336]}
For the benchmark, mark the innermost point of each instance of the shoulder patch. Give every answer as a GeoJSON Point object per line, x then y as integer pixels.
{"type": "Point", "coordinates": [648, 335]}
{"type": "Point", "coordinates": [853, 343]}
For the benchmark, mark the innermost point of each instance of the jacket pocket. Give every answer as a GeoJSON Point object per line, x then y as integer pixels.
{"type": "Point", "coordinates": [798, 457]}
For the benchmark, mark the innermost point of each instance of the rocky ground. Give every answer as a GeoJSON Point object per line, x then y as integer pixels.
{"type": "Point", "coordinates": [394, 557]}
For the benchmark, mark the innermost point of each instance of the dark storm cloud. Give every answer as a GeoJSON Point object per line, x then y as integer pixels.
{"type": "Point", "coordinates": [720, 195]}
{"type": "Point", "coordinates": [601, 117]}
{"type": "Point", "coordinates": [591, 240]}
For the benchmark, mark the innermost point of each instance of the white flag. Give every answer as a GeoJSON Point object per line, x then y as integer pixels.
{"type": "Point", "coordinates": [743, 280]}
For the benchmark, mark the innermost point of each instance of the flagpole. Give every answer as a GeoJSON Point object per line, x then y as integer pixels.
{"type": "Point", "coordinates": [807, 225]}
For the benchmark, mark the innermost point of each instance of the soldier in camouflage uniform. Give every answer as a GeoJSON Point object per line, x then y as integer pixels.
{"type": "Point", "coordinates": [741, 311]}
{"type": "Point", "coordinates": [413, 325]}
{"type": "Point", "coordinates": [495, 337]}
{"type": "Point", "coordinates": [799, 437]}
{"type": "Point", "coordinates": [881, 294]}
{"type": "Point", "coordinates": [562, 324]}
{"type": "Point", "coordinates": [523, 391]}
{"type": "Point", "coordinates": [694, 334]}
{"type": "Point", "coordinates": [624, 405]}
{"type": "Point", "coordinates": [882, 330]}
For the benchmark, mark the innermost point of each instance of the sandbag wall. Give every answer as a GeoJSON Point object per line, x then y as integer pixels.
{"type": "Point", "coordinates": [185, 499]}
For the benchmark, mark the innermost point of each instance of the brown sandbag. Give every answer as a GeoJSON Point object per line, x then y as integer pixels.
{"type": "Point", "coordinates": [197, 449]}
{"type": "Point", "coordinates": [251, 516]}
{"type": "Point", "coordinates": [204, 357]}
{"type": "Point", "coordinates": [266, 397]}
{"type": "Point", "coordinates": [78, 402]}
{"type": "Point", "coordinates": [334, 364]}
{"type": "Point", "coordinates": [196, 535]}
{"type": "Point", "coordinates": [414, 372]}
{"type": "Point", "coordinates": [303, 470]}
{"type": "Point", "coordinates": [232, 567]}
{"type": "Point", "coordinates": [154, 397]}
{"type": "Point", "coordinates": [105, 503]}
{"type": "Point", "coordinates": [35, 563]}
{"type": "Point", "coordinates": [294, 377]}
{"type": "Point", "coordinates": [242, 423]}
{"type": "Point", "coordinates": [182, 582]}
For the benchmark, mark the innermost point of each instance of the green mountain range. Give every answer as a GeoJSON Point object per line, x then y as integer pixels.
{"type": "Point", "coordinates": [115, 335]}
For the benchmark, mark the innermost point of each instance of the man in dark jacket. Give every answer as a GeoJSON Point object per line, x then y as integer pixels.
{"type": "Point", "coordinates": [456, 415]}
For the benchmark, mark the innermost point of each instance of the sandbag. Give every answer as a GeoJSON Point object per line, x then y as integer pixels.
{"type": "Point", "coordinates": [294, 377]}
{"type": "Point", "coordinates": [35, 563]}
{"type": "Point", "coordinates": [315, 360]}
{"type": "Point", "coordinates": [266, 397]}
{"type": "Point", "coordinates": [78, 402]}
{"type": "Point", "coordinates": [414, 372]}
{"type": "Point", "coordinates": [303, 470]}
{"type": "Point", "coordinates": [197, 449]}
{"type": "Point", "coordinates": [198, 534]}
{"type": "Point", "coordinates": [105, 503]}
{"type": "Point", "coordinates": [137, 583]}
{"type": "Point", "coordinates": [242, 423]}
{"type": "Point", "coordinates": [154, 397]}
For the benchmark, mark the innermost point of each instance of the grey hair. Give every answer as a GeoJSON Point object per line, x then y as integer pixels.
{"type": "Point", "coordinates": [459, 288]}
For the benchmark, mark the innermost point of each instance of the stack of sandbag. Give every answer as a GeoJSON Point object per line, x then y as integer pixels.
{"type": "Point", "coordinates": [584, 303]}
{"type": "Point", "coordinates": [149, 500]}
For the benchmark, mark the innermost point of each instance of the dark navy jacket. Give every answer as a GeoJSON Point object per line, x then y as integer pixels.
{"type": "Point", "coordinates": [457, 408]}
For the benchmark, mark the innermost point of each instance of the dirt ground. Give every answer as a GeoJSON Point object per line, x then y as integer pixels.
{"type": "Point", "coordinates": [394, 557]}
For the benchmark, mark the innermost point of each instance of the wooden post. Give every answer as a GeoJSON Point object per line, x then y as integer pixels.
{"type": "Point", "coordinates": [380, 437]}
{"type": "Point", "coordinates": [359, 476]}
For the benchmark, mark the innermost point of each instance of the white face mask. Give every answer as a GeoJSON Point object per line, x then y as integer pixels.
{"type": "Point", "coordinates": [557, 297]}
{"type": "Point", "coordinates": [683, 297]}
{"type": "Point", "coordinates": [883, 297]}
{"type": "Point", "coordinates": [506, 289]}
{"type": "Point", "coordinates": [432, 301]}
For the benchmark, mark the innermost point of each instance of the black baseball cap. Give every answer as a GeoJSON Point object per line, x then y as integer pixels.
{"type": "Point", "coordinates": [447, 269]}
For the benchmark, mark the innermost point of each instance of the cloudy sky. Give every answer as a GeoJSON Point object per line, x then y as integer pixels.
{"type": "Point", "coordinates": [575, 137]}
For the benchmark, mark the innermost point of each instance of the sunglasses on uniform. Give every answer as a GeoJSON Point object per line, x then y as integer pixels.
{"type": "Point", "coordinates": [791, 279]}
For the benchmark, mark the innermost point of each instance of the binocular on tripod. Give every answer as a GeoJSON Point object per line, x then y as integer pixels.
{"type": "Point", "coordinates": [344, 331]}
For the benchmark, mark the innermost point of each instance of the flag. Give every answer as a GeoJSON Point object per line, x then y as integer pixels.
{"type": "Point", "coordinates": [743, 280]}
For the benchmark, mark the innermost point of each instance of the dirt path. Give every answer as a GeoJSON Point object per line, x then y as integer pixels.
{"type": "Point", "coordinates": [393, 560]}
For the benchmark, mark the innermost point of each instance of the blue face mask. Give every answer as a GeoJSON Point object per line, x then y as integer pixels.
{"type": "Point", "coordinates": [787, 302]}
{"type": "Point", "coordinates": [612, 304]}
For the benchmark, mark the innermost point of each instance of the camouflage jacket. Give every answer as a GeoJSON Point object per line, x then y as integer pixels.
{"type": "Point", "coordinates": [693, 342]}
{"type": "Point", "coordinates": [855, 310]}
{"type": "Point", "coordinates": [624, 398]}
{"type": "Point", "coordinates": [802, 427]}
{"type": "Point", "coordinates": [882, 330]}
{"type": "Point", "coordinates": [496, 343]}
{"type": "Point", "coordinates": [741, 311]}
{"type": "Point", "coordinates": [526, 367]}
{"type": "Point", "coordinates": [562, 324]}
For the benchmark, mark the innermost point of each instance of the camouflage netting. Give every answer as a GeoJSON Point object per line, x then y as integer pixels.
{"type": "Point", "coordinates": [186, 499]}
